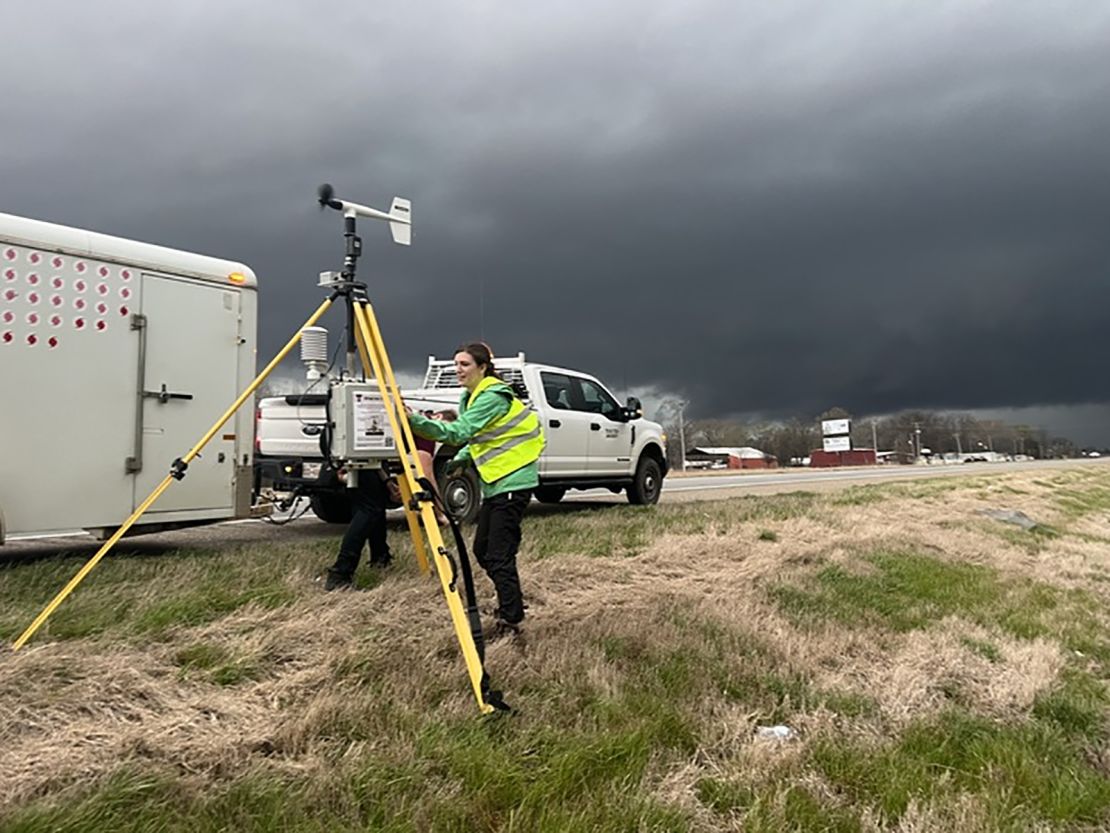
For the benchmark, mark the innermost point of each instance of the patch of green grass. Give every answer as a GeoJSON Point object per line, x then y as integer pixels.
{"type": "Point", "coordinates": [627, 531]}
{"type": "Point", "coordinates": [872, 493]}
{"type": "Point", "coordinates": [768, 535]}
{"type": "Point", "coordinates": [1078, 705]}
{"type": "Point", "coordinates": [206, 602]}
{"type": "Point", "coordinates": [774, 807]}
{"type": "Point", "coordinates": [201, 655]}
{"type": "Point", "coordinates": [216, 664]}
{"type": "Point", "coordinates": [1079, 502]}
{"type": "Point", "coordinates": [138, 596]}
{"type": "Point", "coordinates": [983, 648]}
{"type": "Point", "coordinates": [907, 591]}
{"type": "Point", "coordinates": [1026, 772]}
{"type": "Point", "coordinates": [860, 496]}
{"type": "Point", "coordinates": [1080, 493]}
{"type": "Point", "coordinates": [1032, 540]}
{"type": "Point", "coordinates": [384, 796]}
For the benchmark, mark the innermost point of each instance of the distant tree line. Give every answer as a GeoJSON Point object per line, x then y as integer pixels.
{"type": "Point", "coordinates": [901, 433]}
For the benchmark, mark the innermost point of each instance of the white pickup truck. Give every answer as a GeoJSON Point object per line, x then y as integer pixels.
{"type": "Point", "coordinates": [592, 440]}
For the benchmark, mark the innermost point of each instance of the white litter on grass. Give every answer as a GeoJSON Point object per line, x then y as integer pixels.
{"type": "Point", "coordinates": [775, 732]}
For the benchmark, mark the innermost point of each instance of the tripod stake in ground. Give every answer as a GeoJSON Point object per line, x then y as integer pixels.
{"type": "Point", "coordinates": [365, 350]}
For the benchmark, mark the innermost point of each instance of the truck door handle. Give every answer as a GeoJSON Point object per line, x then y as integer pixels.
{"type": "Point", "coordinates": [594, 426]}
{"type": "Point", "coordinates": [164, 395]}
{"type": "Point", "coordinates": [554, 423]}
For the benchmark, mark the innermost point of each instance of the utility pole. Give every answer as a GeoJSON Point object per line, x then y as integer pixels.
{"type": "Point", "coordinates": [874, 441]}
{"type": "Point", "coordinates": [959, 447]}
{"type": "Point", "coordinates": [682, 435]}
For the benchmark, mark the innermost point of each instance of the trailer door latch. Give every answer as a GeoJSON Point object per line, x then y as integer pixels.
{"type": "Point", "coordinates": [164, 395]}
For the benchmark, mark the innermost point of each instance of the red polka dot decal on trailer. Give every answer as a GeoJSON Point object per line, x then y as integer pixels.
{"type": "Point", "coordinates": [32, 339]}
{"type": "Point", "coordinates": [57, 262]}
{"type": "Point", "coordinates": [10, 254]}
{"type": "Point", "coordinates": [34, 257]}
{"type": "Point", "coordinates": [8, 338]}
{"type": "Point", "coordinates": [79, 323]}
{"type": "Point", "coordinates": [101, 326]}
{"type": "Point", "coordinates": [33, 278]}
{"type": "Point", "coordinates": [52, 341]}
{"type": "Point", "coordinates": [123, 310]}
{"type": "Point", "coordinates": [10, 275]}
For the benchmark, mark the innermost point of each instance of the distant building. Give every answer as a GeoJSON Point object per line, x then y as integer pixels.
{"type": "Point", "coordinates": [819, 459]}
{"type": "Point", "coordinates": [744, 457]}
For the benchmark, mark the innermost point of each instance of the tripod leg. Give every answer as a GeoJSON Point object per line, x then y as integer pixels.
{"type": "Point", "coordinates": [414, 527]}
{"type": "Point", "coordinates": [445, 567]}
{"type": "Point", "coordinates": [177, 472]}
{"type": "Point", "coordinates": [374, 352]}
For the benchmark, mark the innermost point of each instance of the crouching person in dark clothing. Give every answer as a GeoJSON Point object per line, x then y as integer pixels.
{"type": "Point", "coordinates": [502, 437]}
{"type": "Point", "coordinates": [369, 499]}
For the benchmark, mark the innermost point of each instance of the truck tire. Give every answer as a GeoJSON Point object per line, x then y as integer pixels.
{"type": "Point", "coordinates": [550, 494]}
{"type": "Point", "coordinates": [332, 508]}
{"type": "Point", "coordinates": [647, 483]}
{"type": "Point", "coordinates": [462, 494]}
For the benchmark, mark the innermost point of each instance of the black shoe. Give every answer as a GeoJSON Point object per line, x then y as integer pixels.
{"type": "Point", "coordinates": [337, 581]}
{"type": "Point", "coordinates": [381, 563]}
{"type": "Point", "coordinates": [502, 628]}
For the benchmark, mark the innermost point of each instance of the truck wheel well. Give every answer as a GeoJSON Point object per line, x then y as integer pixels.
{"type": "Point", "coordinates": [653, 451]}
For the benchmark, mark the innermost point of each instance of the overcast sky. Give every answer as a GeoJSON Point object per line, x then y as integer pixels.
{"type": "Point", "coordinates": [766, 208]}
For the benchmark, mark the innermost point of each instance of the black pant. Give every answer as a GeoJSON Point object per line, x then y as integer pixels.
{"type": "Point", "coordinates": [495, 546]}
{"type": "Point", "coordinates": [368, 501]}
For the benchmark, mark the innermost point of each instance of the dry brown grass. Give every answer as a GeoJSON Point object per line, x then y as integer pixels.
{"type": "Point", "coordinates": [343, 673]}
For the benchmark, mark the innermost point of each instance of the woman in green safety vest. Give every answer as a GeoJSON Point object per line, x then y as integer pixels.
{"type": "Point", "coordinates": [503, 439]}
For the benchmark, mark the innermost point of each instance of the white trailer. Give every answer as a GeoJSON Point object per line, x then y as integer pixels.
{"type": "Point", "coordinates": [115, 357]}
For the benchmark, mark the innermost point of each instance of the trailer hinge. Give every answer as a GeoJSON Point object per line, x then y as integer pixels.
{"type": "Point", "coordinates": [138, 321]}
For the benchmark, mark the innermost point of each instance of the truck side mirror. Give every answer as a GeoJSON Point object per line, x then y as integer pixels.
{"type": "Point", "coordinates": [634, 408]}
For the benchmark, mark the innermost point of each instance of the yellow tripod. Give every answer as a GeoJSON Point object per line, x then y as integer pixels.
{"type": "Point", "coordinates": [364, 336]}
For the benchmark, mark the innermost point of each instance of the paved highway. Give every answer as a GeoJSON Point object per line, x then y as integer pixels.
{"type": "Point", "coordinates": [725, 484]}
{"type": "Point", "coordinates": [710, 486]}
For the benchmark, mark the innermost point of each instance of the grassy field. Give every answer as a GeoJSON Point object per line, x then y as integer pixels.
{"type": "Point", "coordinates": [938, 670]}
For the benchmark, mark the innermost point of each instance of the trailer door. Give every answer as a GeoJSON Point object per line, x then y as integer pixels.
{"type": "Point", "coordinates": [188, 379]}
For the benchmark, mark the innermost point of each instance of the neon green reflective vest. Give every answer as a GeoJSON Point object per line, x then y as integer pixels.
{"type": "Point", "coordinates": [509, 442]}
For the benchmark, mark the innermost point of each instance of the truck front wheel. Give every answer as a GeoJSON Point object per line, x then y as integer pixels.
{"type": "Point", "coordinates": [331, 508]}
{"type": "Point", "coordinates": [647, 483]}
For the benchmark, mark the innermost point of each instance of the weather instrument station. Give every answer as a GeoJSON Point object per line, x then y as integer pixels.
{"type": "Point", "coordinates": [367, 430]}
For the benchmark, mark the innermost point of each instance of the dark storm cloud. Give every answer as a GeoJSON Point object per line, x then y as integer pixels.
{"type": "Point", "coordinates": [765, 210]}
